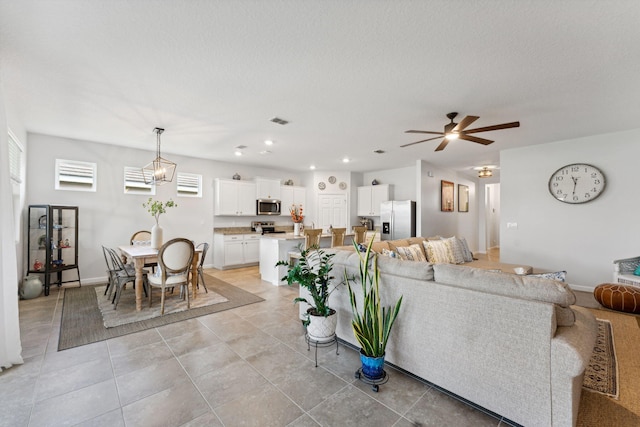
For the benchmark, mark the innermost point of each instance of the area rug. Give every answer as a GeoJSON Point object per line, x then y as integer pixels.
{"type": "Point", "coordinates": [82, 321]}
{"type": "Point", "coordinates": [126, 311]}
{"type": "Point", "coordinates": [601, 374]}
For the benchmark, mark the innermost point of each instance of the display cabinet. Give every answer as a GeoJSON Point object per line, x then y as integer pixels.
{"type": "Point", "coordinates": [52, 243]}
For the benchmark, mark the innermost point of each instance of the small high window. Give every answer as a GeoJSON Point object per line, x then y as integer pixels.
{"type": "Point", "coordinates": [15, 159]}
{"type": "Point", "coordinates": [189, 185]}
{"type": "Point", "coordinates": [134, 182]}
{"type": "Point", "coordinates": [76, 176]}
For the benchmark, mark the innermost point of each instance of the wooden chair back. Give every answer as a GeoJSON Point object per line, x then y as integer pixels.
{"type": "Point", "coordinates": [360, 233]}
{"type": "Point", "coordinates": [312, 237]}
{"type": "Point", "coordinates": [337, 236]}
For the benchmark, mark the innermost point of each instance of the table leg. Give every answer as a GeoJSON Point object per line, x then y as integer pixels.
{"type": "Point", "coordinates": [194, 274]}
{"type": "Point", "coordinates": [139, 265]}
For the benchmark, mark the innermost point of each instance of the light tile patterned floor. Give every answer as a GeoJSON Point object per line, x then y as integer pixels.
{"type": "Point", "coordinates": [247, 366]}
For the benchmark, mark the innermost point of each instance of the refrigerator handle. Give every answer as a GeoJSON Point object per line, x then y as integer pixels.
{"type": "Point", "coordinates": [393, 227]}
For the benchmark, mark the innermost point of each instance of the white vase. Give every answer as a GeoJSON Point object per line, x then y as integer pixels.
{"type": "Point", "coordinates": [296, 228]}
{"type": "Point", "coordinates": [156, 236]}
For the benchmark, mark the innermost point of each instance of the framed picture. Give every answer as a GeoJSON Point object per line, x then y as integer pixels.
{"type": "Point", "coordinates": [463, 198]}
{"type": "Point", "coordinates": [446, 196]}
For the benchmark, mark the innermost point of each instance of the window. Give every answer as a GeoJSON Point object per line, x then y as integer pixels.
{"type": "Point", "coordinates": [134, 182]}
{"type": "Point", "coordinates": [189, 185]}
{"type": "Point", "coordinates": [15, 158]}
{"type": "Point", "coordinates": [75, 176]}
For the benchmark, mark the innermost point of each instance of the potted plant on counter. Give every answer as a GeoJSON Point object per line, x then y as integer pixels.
{"type": "Point", "coordinates": [312, 271]}
{"type": "Point", "coordinates": [373, 322]}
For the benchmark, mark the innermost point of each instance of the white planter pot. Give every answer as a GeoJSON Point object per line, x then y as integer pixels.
{"type": "Point", "coordinates": [322, 329]}
{"type": "Point", "coordinates": [156, 236]}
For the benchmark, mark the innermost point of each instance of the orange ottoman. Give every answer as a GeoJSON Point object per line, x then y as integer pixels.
{"type": "Point", "coordinates": [618, 297]}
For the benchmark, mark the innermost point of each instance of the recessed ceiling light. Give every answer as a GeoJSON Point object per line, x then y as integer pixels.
{"type": "Point", "coordinates": [265, 152]}
{"type": "Point", "coordinates": [345, 160]}
{"type": "Point", "coordinates": [238, 153]}
{"type": "Point", "coordinates": [268, 142]}
{"type": "Point", "coordinates": [312, 167]}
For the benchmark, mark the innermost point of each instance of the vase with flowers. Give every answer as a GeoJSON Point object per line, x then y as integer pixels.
{"type": "Point", "coordinates": [297, 215]}
{"type": "Point", "coordinates": [157, 208]}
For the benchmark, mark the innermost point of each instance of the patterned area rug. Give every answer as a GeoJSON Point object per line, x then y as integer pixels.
{"type": "Point", "coordinates": [126, 310]}
{"type": "Point", "coordinates": [601, 374]}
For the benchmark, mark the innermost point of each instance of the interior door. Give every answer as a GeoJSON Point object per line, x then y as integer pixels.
{"type": "Point", "coordinates": [332, 211]}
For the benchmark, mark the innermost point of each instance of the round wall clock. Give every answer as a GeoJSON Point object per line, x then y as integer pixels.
{"type": "Point", "coordinates": [576, 183]}
{"type": "Point", "coordinates": [322, 185]}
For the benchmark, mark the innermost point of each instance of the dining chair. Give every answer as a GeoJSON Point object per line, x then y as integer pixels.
{"type": "Point", "coordinates": [123, 274]}
{"type": "Point", "coordinates": [312, 237]}
{"type": "Point", "coordinates": [140, 236]}
{"type": "Point", "coordinates": [360, 232]}
{"type": "Point", "coordinates": [174, 265]}
{"type": "Point", "coordinates": [110, 269]}
{"type": "Point", "coordinates": [205, 248]}
{"type": "Point", "coordinates": [337, 236]}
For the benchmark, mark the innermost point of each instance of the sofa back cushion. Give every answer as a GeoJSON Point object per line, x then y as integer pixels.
{"type": "Point", "coordinates": [412, 253]}
{"type": "Point", "coordinates": [524, 287]}
{"type": "Point", "coordinates": [390, 267]}
{"type": "Point", "coordinates": [437, 252]}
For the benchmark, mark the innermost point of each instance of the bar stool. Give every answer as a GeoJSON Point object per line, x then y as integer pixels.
{"type": "Point", "coordinates": [360, 233]}
{"type": "Point", "coordinates": [337, 236]}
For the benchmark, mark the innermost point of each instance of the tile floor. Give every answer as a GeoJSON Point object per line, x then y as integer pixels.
{"type": "Point", "coordinates": [248, 366]}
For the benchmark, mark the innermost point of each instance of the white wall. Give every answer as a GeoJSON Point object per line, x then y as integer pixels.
{"type": "Point", "coordinates": [581, 239]}
{"type": "Point", "coordinates": [109, 217]}
{"type": "Point", "coordinates": [431, 220]}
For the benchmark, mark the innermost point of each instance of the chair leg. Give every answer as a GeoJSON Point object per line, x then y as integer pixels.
{"type": "Point", "coordinates": [186, 291]}
{"type": "Point", "coordinates": [201, 277]}
{"type": "Point", "coordinates": [117, 296]}
{"type": "Point", "coordinates": [162, 302]}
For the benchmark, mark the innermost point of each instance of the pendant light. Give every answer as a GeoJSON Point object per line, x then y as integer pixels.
{"type": "Point", "coordinates": [159, 170]}
{"type": "Point", "coordinates": [485, 173]}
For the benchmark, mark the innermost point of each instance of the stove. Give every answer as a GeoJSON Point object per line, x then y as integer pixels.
{"type": "Point", "coordinates": [267, 227]}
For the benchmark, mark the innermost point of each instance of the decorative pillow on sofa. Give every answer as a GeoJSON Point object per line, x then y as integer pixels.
{"type": "Point", "coordinates": [455, 250]}
{"type": "Point", "coordinates": [389, 253]}
{"type": "Point", "coordinates": [556, 275]}
{"type": "Point", "coordinates": [468, 256]}
{"type": "Point", "coordinates": [411, 253]}
{"type": "Point", "coordinates": [437, 252]}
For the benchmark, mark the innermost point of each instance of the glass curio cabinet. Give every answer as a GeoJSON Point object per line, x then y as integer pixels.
{"type": "Point", "coordinates": [52, 244]}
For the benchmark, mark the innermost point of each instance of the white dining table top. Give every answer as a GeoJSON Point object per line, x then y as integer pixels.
{"type": "Point", "coordinates": [142, 251]}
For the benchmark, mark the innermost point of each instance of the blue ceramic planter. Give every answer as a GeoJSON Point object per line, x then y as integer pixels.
{"type": "Point", "coordinates": [372, 367]}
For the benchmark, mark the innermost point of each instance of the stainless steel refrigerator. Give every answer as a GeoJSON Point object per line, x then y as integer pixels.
{"type": "Point", "coordinates": [398, 219]}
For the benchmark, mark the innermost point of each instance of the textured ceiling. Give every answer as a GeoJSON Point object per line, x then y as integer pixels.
{"type": "Point", "coordinates": [351, 76]}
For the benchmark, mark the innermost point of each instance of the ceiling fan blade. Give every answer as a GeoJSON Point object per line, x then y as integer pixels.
{"type": "Point", "coordinates": [418, 142]}
{"type": "Point", "coordinates": [442, 145]}
{"type": "Point", "coordinates": [464, 123]}
{"type": "Point", "coordinates": [475, 139]}
{"type": "Point", "coordinates": [494, 127]}
{"type": "Point", "coordinates": [424, 131]}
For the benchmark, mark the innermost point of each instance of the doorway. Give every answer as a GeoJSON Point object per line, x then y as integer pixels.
{"type": "Point", "coordinates": [332, 211]}
{"type": "Point", "coordinates": [492, 217]}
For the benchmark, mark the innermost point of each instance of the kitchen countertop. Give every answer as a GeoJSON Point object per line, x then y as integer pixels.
{"type": "Point", "coordinates": [290, 236]}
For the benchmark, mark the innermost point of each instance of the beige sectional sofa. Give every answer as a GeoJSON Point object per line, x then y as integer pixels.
{"type": "Point", "coordinates": [512, 344]}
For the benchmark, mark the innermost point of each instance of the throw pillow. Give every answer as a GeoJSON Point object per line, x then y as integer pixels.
{"type": "Point", "coordinates": [637, 271]}
{"type": "Point", "coordinates": [437, 252]}
{"type": "Point", "coordinates": [556, 275]}
{"type": "Point", "coordinates": [411, 253]}
{"type": "Point", "coordinates": [455, 249]}
{"type": "Point", "coordinates": [468, 256]}
{"type": "Point", "coordinates": [389, 253]}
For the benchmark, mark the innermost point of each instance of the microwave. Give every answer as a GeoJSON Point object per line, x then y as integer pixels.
{"type": "Point", "coordinates": [267, 207]}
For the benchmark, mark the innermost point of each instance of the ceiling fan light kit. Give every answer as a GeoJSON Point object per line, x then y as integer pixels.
{"type": "Point", "coordinates": [485, 173]}
{"type": "Point", "coordinates": [459, 130]}
{"type": "Point", "coordinates": [159, 170]}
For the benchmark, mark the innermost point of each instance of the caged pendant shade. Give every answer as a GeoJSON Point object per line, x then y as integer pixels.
{"type": "Point", "coordinates": [159, 170]}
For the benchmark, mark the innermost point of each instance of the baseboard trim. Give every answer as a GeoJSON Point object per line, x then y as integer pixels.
{"type": "Point", "coordinates": [581, 288]}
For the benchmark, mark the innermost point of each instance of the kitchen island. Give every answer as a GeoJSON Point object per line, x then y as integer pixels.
{"type": "Point", "coordinates": [276, 247]}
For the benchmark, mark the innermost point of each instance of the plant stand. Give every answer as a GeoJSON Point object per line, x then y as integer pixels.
{"type": "Point", "coordinates": [316, 344]}
{"type": "Point", "coordinates": [374, 383]}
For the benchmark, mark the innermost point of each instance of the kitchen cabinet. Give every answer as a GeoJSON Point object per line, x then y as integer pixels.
{"type": "Point", "coordinates": [235, 198]}
{"type": "Point", "coordinates": [235, 250]}
{"type": "Point", "coordinates": [370, 197]}
{"type": "Point", "coordinates": [268, 188]}
{"type": "Point", "coordinates": [52, 244]}
{"type": "Point", "coordinates": [290, 195]}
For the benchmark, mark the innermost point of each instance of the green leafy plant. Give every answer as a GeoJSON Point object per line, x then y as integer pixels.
{"type": "Point", "coordinates": [157, 207]}
{"type": "Point", "coordinates": [371, 325]}
{"type": "Point", "coordinates": [312, 272]}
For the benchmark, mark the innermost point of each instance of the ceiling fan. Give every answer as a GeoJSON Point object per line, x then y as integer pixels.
{"type": "Point", "coordinates": [457, 130]}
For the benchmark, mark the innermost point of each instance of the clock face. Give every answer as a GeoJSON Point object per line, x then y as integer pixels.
{"type": "Point", "coordinates": [576, 183]}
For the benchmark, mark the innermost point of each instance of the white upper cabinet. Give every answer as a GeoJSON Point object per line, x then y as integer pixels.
{"type": "Point", "coordinates": [290, 195]}
{"type": "Point", "coordinates": [235, 198]}
{"type": "Point", "coordinates": [268, 188]}
{"type": "Point", "coordinates": [370, 197]}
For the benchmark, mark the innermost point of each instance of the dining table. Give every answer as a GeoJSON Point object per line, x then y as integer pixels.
{"type": "Point", "coordinates": [142, 254]}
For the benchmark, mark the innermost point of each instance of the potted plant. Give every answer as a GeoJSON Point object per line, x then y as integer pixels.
{"type": "Point", "coordinates": [312, 271]}
{"type": "Point", "coordinates": [372, 323]}
{"type": "Point", "coordinates": [157, 208]}
{"type": "Point", "coordinates": [297, 216]}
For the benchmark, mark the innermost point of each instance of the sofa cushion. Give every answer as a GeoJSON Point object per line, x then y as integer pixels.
{"type": "Point", "coordinates": [419, 241]}
{"type": "Point", "coordinates": [524, 287]}
{"type": "Point", "coordinates": [468, 256]}
{"type": "Point", "coordinates": [399, 268]}
{"type": "Point", "coordinates": [556, 275]}
{"type": "Point", "coordinates": [411, 253]}
{"type": "Point", "coordinates": [437, 252]}
{"type": "Point", "coordinates": [455, 250]}
{"type": "Point", "coordinates": [379, 246]}
{"type": "Point", "coordinates": [399, 243]}
{"type": "Point", "coordinates": [390, 253]}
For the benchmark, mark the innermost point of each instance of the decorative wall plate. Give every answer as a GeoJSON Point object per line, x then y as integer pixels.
{"type": "Point", "coordinates": [332, 180]}
{"type": "Point", "coordinates": [343, 185]}
{"type": "Point", "coordinates": [322, 185]}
